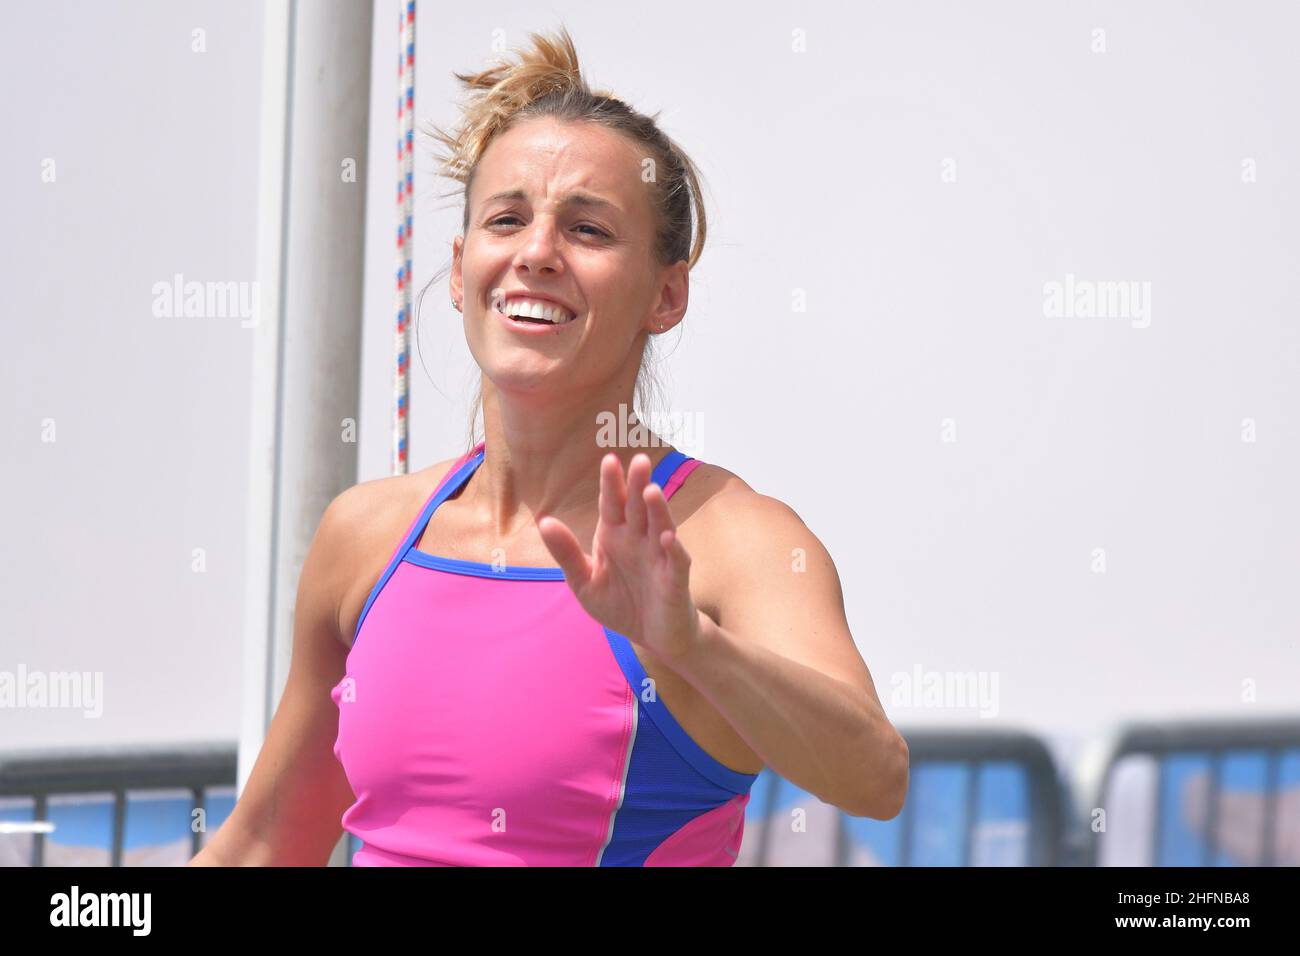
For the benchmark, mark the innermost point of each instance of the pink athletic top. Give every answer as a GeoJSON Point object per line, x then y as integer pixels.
{"type": "Point", "coordinates": [486, 719]}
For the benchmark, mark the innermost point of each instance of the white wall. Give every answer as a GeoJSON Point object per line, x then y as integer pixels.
{"type": "Point", "coordinates": [924, 302]}
{"type": "Point", "coordinates": [155, 161]}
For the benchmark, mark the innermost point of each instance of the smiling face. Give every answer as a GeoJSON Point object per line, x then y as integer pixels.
{"type": "Point", "coordinates": [529, 228]}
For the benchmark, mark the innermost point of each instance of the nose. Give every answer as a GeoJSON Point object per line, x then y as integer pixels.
{"type": "Point", "coordinates": [539, 247]}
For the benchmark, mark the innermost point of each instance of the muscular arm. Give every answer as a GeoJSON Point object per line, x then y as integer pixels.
{"type": "Point", "coordinates": [784, 670]}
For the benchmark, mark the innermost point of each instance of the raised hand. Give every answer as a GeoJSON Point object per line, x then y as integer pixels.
{"type": "Point", "coordinates": [636, 580]}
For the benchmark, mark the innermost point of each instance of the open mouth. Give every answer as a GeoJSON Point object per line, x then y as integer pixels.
{"type": "Point", "coordinates": [535, 312]}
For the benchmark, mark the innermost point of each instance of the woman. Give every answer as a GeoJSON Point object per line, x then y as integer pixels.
{"type": "Point", "coordinates": [503, 697]}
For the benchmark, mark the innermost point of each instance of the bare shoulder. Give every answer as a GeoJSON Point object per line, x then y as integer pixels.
{"type": "Point", "coordinates": [361, 527]}
{"type": "Point", "coordinates": [705, 484]}
{"type": "Point", "coordinates": [372, 508]}
{"type": "Point", "coordinates": [727, 503]}
{"type": "Point", "coordinates": [744, 546]}
{"type": "Point", "coordinates": [772, 580]}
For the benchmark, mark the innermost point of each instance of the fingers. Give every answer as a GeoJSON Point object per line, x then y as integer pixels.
{"type": "Point", "coordinates": [658, 518]}
{"type": "Point", "coordinates": [678, 559]}
{"type": "Point", "coordinates": [661, 528]}
{"type": "Point", "coordinates": [566, 550]}
{"type": "Point", "coordinates": [613, 494]}
{"type": "Point", "coordinates": [638, 478]}
{"type": "Point", "coordinates": [637, 503]}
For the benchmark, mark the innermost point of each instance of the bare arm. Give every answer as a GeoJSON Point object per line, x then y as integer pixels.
{"type": "Point", "coordinates": [784, 670]}
{"type": "Point", "coordinates": [289, 811]}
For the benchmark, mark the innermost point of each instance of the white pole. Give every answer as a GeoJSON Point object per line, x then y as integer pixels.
{"type": "Point", "coordinates": [307, 335]}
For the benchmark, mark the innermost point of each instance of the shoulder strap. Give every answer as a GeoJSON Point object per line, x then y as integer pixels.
{"type": "Point", "coordinates": [456, 475]}
{"type": "Point", "coordinates": [422, 517]}
{"type": "Point", "coordinates": [457, 465]}
{"type": "Point", "coordinates": [412, 532]}
{"type": "Point", "coordinates": [672, 471]}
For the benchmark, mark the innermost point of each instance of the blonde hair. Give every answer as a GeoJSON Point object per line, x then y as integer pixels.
{"type": "Point", "coordinates": [547, 82]}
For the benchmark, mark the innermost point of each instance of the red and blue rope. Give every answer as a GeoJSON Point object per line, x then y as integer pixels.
{"type": "Point", "coordinates": [405, 210]}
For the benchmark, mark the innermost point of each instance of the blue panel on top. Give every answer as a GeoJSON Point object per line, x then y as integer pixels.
{"type": "Point", "coordinates": [663, 793]}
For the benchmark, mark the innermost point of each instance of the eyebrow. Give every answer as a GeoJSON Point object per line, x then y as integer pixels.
{"type": "Point", "coordinates": [588, 200]}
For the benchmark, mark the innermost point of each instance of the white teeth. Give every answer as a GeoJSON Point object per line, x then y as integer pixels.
{"type": "Point", "coordinates": [535, 309]}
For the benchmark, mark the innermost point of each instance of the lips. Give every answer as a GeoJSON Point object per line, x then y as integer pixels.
{"type": "Point", "coordinates": [540, 327]}
{"type": "Point", "coordinates": [534, 311]}
{"type": "Point", "coordinates": [503, 298]}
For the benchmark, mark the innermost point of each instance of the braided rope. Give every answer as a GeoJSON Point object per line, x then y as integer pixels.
{"type": "Point", "coordinates": [405, 209]}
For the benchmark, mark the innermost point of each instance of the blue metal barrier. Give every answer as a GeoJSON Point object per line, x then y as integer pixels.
{"type": "Point", "coordinates": [1219, 793]}
{"type": "Point", "coordinates": [976, 798]}
{"type": "Point", "coordinates": [112, 807]}
{"type": "Point", "coordinates": [1194, 793]}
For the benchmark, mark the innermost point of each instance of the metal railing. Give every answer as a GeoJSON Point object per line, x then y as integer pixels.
{"type": "Point", "coordinates": [48, 773]}
{"type": "Point", "coordinates": [1161, 741]}
{"type": "Point", "coordinates": [1059, 808]}
{"type": "Point", "coordinates": [1047, 799]}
